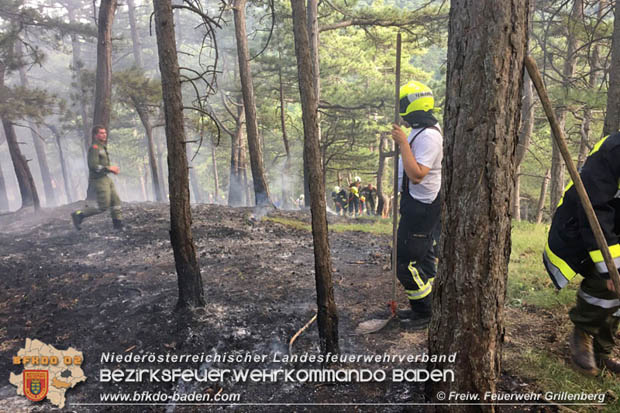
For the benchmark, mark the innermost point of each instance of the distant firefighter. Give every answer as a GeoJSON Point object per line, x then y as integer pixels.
{"type": "Point", "coordinates": [369, 192]}
{"type": "Point", "coordinates": [339, 196]}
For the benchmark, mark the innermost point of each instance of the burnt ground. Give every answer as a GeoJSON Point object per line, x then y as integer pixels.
{"type": "Point", "coordinates": [99, 290]}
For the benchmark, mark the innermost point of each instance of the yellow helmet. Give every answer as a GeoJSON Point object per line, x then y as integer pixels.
{"type": "Point", "coordinates": [415, 96]}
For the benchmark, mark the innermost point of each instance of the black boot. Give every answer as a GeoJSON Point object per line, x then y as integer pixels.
{"type": "Point", "coordinates": [609, 363]}
{"type": "Point", "coordinates": [77, 218]}
{"type": "Point", "coordinates": [118, 224]}
{"type": "Point", "coordinates": [582, 354]}
{"type": "Point", "coordinates": [419, 316]}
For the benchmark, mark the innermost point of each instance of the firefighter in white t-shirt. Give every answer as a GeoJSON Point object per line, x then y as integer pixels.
{"type": "Point", "coordinates": [420, 181]}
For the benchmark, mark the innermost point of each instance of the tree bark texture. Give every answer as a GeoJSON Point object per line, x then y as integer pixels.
{"type": "Point", "coordinates": [568, 71]}
{"type": "Point", "coordinates": [612, 116]}
{"type": "Point", "coordinates": [39, 148]}
{"type": "Point", "coordinates": [150, 144]}
{"type": "Point", "coordinates": [63, 164]}
{"type": "Point", "coordinates": [327, 313]}
{"type": "Point", "coordinates": [593, 82]}
{"type": "Point", "coordinates": [135, 39]}
{"type": "Point", "coordinates": [486, 47]}
{"type": "Point", "coordinates": [76, 54]}
{"type": "Point", "coordinates": [543, 194]}
{"type": "Point", "coordinates": [103, 79]}
{"type": "Point", "coordinates": [160, 171]}
{"type": "Point", "coordinates": [191, 292]}
{"type": "Point", "coordinates": [4, 197]}
{"type": "Point", "coordinates": [287, 163]}
{"type": "Point", "coordinates": [25, 181]}
{"type": "Point", "coordinates": [380, 172]}
{"type": "Point", "coordinates": [193, 178]}
{"type": "Point", "coordinates": [216, 179]}
{"type": "Point", "coordinates": [261, 192]}
{"type": "Point", "coordinates": [235, 183]}
{"type": "Point", "coordinates": [313, 37]}
{"type": "Point", "coordinates": [525, 132]}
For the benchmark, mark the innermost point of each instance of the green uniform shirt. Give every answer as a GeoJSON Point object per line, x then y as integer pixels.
{"type": "Point", "coordinates": [98, 161]}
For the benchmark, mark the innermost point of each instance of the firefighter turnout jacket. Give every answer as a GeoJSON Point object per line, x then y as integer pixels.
{"type": "Point", "coordinates": [571, 247]}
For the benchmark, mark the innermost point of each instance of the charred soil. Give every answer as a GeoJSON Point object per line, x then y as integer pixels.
{"type": "Point", "coordinates": [102, 291]}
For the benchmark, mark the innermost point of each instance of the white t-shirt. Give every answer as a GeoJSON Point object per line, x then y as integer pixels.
{"type": "Point", "coordinates": [428, 151]}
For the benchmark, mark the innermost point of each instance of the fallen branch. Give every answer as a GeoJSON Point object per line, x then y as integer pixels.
{"type": "Point", "coordinates": [297, 334]}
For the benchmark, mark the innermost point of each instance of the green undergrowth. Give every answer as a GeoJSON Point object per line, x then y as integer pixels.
{"type": "Point", "coordinates": [554, 376]}
{"type": "Point", "coordinates": [293, 223]}
{"type": "Point", "coordinates": [372, 225]}
{"type": "Point", "coordinates": [528, 282]}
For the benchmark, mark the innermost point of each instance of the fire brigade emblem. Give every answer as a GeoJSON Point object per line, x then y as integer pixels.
{"type": "Point", "coordinates": [36, 384]}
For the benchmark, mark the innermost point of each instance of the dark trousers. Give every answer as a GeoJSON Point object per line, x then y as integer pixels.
{"type": "Point", "coordinates": [416, 257]}
{"type": "Point", "coordinates": [594, 313]}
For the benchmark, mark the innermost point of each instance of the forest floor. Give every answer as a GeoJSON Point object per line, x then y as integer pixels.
{"type": "Point", "coordinates": [99, 290]}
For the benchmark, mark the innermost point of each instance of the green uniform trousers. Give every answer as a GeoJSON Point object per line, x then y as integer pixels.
{"type": "Point", "coordinates": [107, 198]}
{"type": "Point", "coordinates": [594, 313]}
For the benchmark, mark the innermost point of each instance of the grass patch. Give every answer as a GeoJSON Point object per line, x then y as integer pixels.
{"type": "Point", "coordinates": [528, 281]}
{"type": "Point", "coordinates": [377, 225]}
{"type": "Point", "coordinates": [293, 223]}
{"type": "Point", "coordinates": [553, 375]}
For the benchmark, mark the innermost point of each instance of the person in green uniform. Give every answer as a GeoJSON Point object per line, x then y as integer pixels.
{"type": "Point", "coordinates": [98, 169]}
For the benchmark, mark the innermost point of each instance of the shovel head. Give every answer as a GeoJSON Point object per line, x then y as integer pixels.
{"type": "Point", "coordinates": [372, 326]}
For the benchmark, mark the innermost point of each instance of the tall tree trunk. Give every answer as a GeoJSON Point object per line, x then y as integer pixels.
{"type": "Point", "coordinates": [103, 76]}
{"type": "Point", "coordinates": [103, 80]}
{"type": "Point", "coordinates": [63, 164]}
{"type": "Point", "coordinates": [193, 178]}
{"type": "Point", "coordinates": [160, 171]}
{"type": "Point", "coordinates": [39, 146]}
{"type": "Point", "coordinates": [612, 116]}
{"type": "Point", "coordinates": [135, 39]}
{"type": "Point", "coordinates": [25, 181]}
{"type": "Point", "coordinates": [286, 194]}
{"type": "Point", "coordinates": [381, 197]}
{"type": "Point", "coordinates": [4, 198]}
{"type": "Point", "coordinates": [313, 37]}
{"type": "Point", "coordinates": [235, 183]}
{"type": "Point", "coordinates": [216, 180]}
{"type": "Point", "coordinates": [77, 69]}
{"type": "Point", "coordinates": [486, 45]}
{"type": "Point", "coordinates": [525, 132]}
{"type": "Point", "coordinates": [140, 108]}
{"type": "Point", "coordinates": [568, 71]}
{"type": "Point", "coordinates": [593, 81]}
{"type": "Point", "coordinates": [191, 293]}
{"type": "Point", "coordinates": [327, 313]}
{"type": "Point", "coordinates": [261, 192]}
{"type": "Point", "coordinates": [150, 144]}
{"type": "Point", "coordinates": [543, 195]}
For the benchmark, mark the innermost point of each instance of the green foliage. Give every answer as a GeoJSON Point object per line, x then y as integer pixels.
{"type": "Point", "coordinates": [25, 103]}
{"type": "Point", "coordinates": [133, 87]}
{"type": "Point", "coordinates": [553, 375]}
{"type": "Point", "coordinates": [528, 282]}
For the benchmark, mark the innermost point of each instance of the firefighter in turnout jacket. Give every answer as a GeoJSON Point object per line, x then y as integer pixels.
{"type": "Point", "coordinates": [98, 180]}
{"type": "Point", "coordinates": [420, 180]}
{"type": "Point", "coordinates": [571, 249]}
